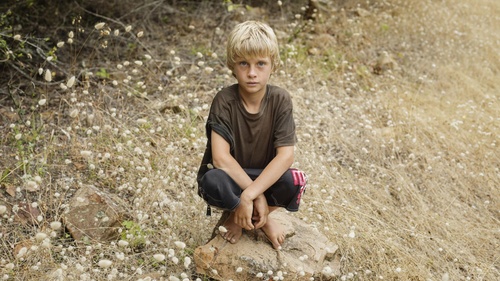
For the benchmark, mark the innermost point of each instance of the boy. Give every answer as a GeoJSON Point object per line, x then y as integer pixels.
{"type": "Point", "coordinates": [251, 138]}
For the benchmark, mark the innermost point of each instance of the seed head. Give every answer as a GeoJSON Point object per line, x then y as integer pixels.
{"type": "Point", "coordinates": [159, 257]}
{"type": "Point", "coordinates": [222, 229]}
{"type": "Point", "coordinates": [99, 25]}
{"type": "Point", "coordinates": [104, 263]}
{"type": "Point", "coordinates": [71, 82]}
{"type": "Point", "coordinates": [48, 75]}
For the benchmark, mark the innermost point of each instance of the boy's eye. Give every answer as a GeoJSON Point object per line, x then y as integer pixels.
{"type": "Point", "coordinates": [261, 63]}
{"type": "Point", "coordinates": [243, 63]}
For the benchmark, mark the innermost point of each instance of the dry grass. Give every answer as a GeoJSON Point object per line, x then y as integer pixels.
{"type": "Point", "coordinates": [403, 166]}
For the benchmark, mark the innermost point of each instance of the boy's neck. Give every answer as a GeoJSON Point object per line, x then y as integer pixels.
{"type": "Point", "coordinates": [252, 102]}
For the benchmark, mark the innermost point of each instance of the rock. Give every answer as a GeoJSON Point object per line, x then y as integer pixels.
{"type": "Point", "coordinates": [306, 253]}
{"type": "Point", "coordinates": [321, 44]}
{"type": "Point", "coordinates": [94, 214]}
{"type": "Point", "coordinates": [27, 214]}
{"type": "Point", "coordinates": [384, 62]}
{"type": "Point", "coordinates": [362, 12]}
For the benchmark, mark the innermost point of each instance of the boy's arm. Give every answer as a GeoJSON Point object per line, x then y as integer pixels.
{"type": "Point", "coordinates": [273, 171]}
{"type": "Point", "coordinates": [223, 160]}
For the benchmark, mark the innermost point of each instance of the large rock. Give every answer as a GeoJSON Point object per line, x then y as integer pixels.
{"type": "Point", "coordinates": [94, 214]}
{"type": "Point", "coordinates": [306, 253]}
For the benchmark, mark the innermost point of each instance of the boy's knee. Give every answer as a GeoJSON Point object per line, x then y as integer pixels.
{"type": "Point", "coordinates": [212, 179]}
{"type": "Point", "coordinates": [217, 190]}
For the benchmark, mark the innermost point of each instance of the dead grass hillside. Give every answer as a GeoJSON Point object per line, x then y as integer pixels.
{"type": "Point", "coordinates": [397, 105]}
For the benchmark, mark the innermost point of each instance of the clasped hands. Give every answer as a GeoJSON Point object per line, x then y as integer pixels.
{"type": "Point", "coordinates": [251, 213]}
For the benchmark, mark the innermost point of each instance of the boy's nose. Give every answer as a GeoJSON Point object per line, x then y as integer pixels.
{"type": "Point", "coordinates": [252, 72]}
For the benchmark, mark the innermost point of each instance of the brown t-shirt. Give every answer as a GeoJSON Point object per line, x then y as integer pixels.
{"type": "Point", "coordinates": [253, 138]}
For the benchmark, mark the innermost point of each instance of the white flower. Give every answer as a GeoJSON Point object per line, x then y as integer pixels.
{"type": "Point", "coordinates": [17, 37]}
{"type": "Point", "coordinates": [40, 236]}
{"type": "Point", "coordinates": [22, 252]}
{"type": "Point", "coordinates": [42, 102]}
{"type": "Point", "coordinates": [60, 44]}
{"type": "Point", "coordinates": [99, 25]}
{"type": "Point", "coordinates": [180, 245]}
{"type": "Point", "coordinates": [208, 70]}
{"type": "Point", "coordinates": [116, 32]}
{"type": "Point", "coordinates": [3, 209]}
{"type": "Point", "coordinates": [128, 28]}
{"type": "Point", "coordinates": [40, 71]}
{"type": "Point", "coordinates": [159, 257]}
{"type": "Point", "coordinates": [85, 153]}
{"type": "Point", "coordinates": [48, 75]}
{"type": "Point", "coordinates": [141, 121]}
{"type": "Point", "coordinates": [31, 186]}
{"type": "Point", "coordinates": [327, 271]}
{"type": "Point", "coordinates": [18, 136]}
{"type": "Point", "coordinates": [148, 57]}
{"type": "Point", "coordinates": [74, 113]}
{"type": "Point", "coordinates": [38, 179]}
{"type": "Point", "coordinates": [280, 3]}
{"type": "Point", "coordinates": [352, 234]}
{"type": "Point", "coordinates": [239, 269]}
{"type": "Point", "coordinates": [71, 82]}
{"type": "Point", "coordinates": [122, 243]}
{"type": "Point", "coordinates": [138, 62]}
{"type": "Point", "coordinates": [222, 229]}
{"type": "Point", "coordinates": [140, 34]}
{"type": "Point", "coordinates": [120, 256]}
{"type": "Point", "coordinates": [71, 34]}
{"type": "Point", "coordinates": [187, 262]}
{"type": "Point", "coordinates": [55, 225]}
{"type": "Point", "coordinates": [104, 263]}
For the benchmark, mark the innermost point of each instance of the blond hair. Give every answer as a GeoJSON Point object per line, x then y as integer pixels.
{"type": "Point", "coordinates": [252, 39]}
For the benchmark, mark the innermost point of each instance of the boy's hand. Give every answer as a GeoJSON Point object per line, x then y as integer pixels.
{"type": "Point", "coordinates": [260, 211]}
{"type": "Point", "coordinates": [243, 213]}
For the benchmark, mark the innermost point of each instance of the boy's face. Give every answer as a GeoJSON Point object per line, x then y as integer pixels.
{"type": "Point", "coordinates": [252, 74]}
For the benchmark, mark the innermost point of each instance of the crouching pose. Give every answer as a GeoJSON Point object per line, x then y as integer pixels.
{"type": "Point", "coordinates": [251, 137]}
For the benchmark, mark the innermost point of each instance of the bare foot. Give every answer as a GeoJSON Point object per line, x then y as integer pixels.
{"type": "Point", "coordinates": [274, 232]}
{"type": "Point", "coordinates": [234, 231]}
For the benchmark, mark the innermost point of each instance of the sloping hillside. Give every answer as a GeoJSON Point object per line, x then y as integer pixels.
{"type": "Point", "coordinates": [397, 105]}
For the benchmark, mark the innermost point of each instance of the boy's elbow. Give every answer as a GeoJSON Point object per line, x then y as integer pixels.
{"type": "Point", "coordinates": [218, 162]}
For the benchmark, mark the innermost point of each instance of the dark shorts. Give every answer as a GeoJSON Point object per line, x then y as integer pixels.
{"type": "Point", "coordinates": [220, 190]}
